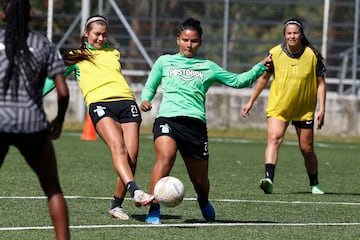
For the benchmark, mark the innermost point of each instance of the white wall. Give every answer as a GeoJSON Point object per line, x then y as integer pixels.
{"type": "Point", "coordinates": [224, 107]}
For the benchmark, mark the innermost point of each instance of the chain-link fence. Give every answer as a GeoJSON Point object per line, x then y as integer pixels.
{"type": "Point", "coordinates": [237, 33]}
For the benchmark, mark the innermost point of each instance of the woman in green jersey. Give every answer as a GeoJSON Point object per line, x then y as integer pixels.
{"type": "Point", "coordinates": [298, 82]}
{"type": "Point", "coordinates": [181, 123]}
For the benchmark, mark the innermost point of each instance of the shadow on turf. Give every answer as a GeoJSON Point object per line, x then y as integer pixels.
{"type": "Point", "coordinates": [225, 221]}
{"type": "Point", "coordinates": [141, 218]}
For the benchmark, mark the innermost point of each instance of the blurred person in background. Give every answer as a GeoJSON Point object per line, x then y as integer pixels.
{"type": "Point", "coordinates": [298, 83]}
{"type": "Point", "coordinates": [27, 58]}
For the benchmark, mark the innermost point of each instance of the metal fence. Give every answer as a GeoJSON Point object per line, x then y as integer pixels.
{"type": "Point", "coordinates": [237, 33]}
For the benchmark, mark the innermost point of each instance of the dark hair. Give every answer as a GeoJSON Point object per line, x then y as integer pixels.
{"type": "Point", "coordinates": [304, 40]}
{"type": "Point", "coordinates": [72, 57]}
{"type": "Point", "coordinates": [17, 14]}
{"type": "Point", "coordinates": [191, 24]}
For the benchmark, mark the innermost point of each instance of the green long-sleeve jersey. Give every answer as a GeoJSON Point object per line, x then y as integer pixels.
{"type": "Point", "coordinates": [185, 81]}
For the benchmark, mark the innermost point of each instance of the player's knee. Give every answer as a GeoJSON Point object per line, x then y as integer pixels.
{"type": "Point", "coordinates": [307, 153]}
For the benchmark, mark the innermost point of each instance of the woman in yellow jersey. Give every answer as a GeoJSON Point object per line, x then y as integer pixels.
{"type": "Point", "coordinates": [112, 107]}
{"type": "Point", "coordinates": [298, 83]}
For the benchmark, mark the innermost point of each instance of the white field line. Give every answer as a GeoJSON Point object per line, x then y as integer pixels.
{"type": "Point", "coordinates": [244, 141]}
{"type": "Point", "coordinates": [191, 224]}
{"type": "Point", "coordinates": [194, 199]}
{"type": "Point", "coordinates": [291, 143]}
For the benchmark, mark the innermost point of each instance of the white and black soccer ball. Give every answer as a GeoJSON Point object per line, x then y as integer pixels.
{"type": "Point", "coordinates": [169, 191]}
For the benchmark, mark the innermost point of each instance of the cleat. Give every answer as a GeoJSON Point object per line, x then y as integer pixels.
{"type": "Point", "coordinates": [153, 217]}
{"type": "Point", "coordinates": [208, 213]}
{"type": "Point", "coordinates": [316, 189]}
{"type": "Point", "coordinates": [266, 185]}
{"type": "Point", "coordinates": [141, 198]}
{"type": "Point", "coordinates": [118, 213]}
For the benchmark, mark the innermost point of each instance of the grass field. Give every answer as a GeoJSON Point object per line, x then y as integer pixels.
{"type": "Point", "coordinates": [236, 165]}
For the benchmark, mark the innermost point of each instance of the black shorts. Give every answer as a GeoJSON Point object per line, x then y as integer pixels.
{"type": "Point", "coordinates": [28, 144]}
{"type": "Point", "coordinates": [303, 124]}
{"type": "Point", "coordinates": [122, 111]}
{"type": "Point", "coordinates": [190, 135]}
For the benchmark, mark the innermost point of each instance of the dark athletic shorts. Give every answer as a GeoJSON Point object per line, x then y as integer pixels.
{"type": "Point", "coordinates": [122, 111]}
{"type": "Point", "coordinates": [28, 144]}
{"type": "Point", "coordinates": [190, 135]}
{"type": "Point", "coordinates": [303, 124]}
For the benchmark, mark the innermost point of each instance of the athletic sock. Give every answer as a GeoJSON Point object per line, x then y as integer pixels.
{"type": "Point", "coordinates": [270, 171]}
{"type": "Point", "coordinates": [116, 202]}
{"type": "Point", "coordinates": [154, 207]}
{"type": "Point", "coordinates": [313, 179]}
{"type": "Point", "coordinates": [131, 187]}
{"type": "Point", "coordinates": [201, 202]}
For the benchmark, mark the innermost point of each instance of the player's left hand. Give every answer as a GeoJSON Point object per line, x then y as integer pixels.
{"type": "Point", "coordinates": [55, 128]}
{"type": "Point", "coordinates": [267, 61]}
{"type": "Point", "coordinates": [320, 119]}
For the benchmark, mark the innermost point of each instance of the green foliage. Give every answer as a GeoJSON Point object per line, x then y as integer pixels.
{"type": "Point", "coordinates": [236, 165]}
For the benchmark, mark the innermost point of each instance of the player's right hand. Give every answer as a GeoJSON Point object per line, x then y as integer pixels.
{"type": "Point", "coordinates": [246, 109]}
{"type": "Point", "coordinates": [145, 106]}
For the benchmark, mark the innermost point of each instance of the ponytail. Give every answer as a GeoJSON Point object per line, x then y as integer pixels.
{"type": "Point", "coordinates": [19, 57]}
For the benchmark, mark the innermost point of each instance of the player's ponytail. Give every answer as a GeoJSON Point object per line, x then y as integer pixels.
{"type": "Point", "coordinates": [17, 15]}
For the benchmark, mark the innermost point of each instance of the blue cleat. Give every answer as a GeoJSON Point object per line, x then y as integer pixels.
{"type": "Point", "coordinates": [208, 213]}
{"type": "Point", "coordinates": [153, 217]}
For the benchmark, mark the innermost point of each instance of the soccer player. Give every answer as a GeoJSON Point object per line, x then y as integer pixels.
{"type": "Point", "coordinates": [27, 58]}
{"type": "Point", "coordinates": [181, 123]}
{"type": "Point", "coordinates": [112, 107]}
{"type": "Point", "coordinates": [298, 82]}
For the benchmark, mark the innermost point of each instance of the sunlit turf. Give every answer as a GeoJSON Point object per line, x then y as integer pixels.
{"type": "Point", "coordinates": [236, 166]}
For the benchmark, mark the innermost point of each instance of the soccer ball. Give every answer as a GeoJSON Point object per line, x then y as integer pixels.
{"type": "Point", "coordinates": [169, 191]}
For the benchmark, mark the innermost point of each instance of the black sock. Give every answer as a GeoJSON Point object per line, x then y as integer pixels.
{"type": "Point", "coordinates": [270, 171]}
{"type": "Point", "coordinates": [154, 207]}
{"type": "Point", "coordinates": [131, 187]}
{"type": "Point", "coordinates": [313, 178]}
{"type": "Point", "coordinates": [116, 202]}
{"type": "Point", "coordinates": [202, 203]}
